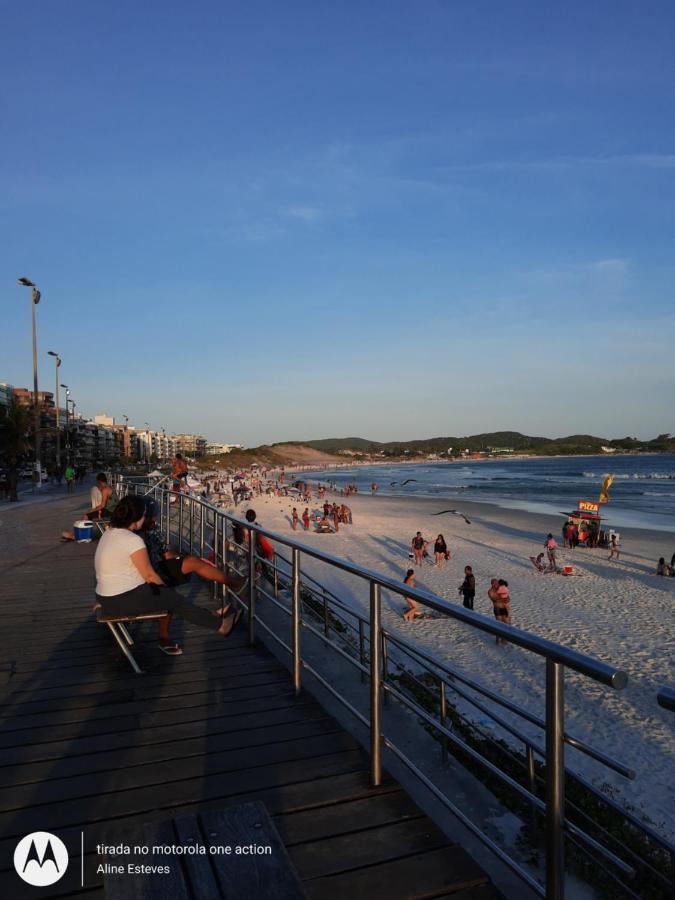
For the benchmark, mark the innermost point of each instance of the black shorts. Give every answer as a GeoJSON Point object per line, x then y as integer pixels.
{"type": "Point", "coordinates": [501, 611]}
{"type": "Point", "coordinates": [171, 571]}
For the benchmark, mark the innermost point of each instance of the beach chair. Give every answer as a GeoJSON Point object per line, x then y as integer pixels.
{"type": "Point", "coordinates": [117, 626]}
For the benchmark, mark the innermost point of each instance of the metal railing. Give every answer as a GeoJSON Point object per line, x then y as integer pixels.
{"type": "Point", "coordinates": [362, 641]}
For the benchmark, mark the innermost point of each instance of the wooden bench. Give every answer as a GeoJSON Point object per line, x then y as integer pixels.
{"type": "Point", "coordinates": [213, 874]}
{"type": "Point", "coordinates": [117, 625]}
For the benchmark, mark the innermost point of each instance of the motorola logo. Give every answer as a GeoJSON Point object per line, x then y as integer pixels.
{"type": "Point", "coordinates": [41, 858]}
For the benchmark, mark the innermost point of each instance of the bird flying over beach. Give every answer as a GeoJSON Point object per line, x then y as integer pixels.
{"type": "Point", "coordinates": [455, 512]}
{"type": "Point", "coordinates": [403, 482]}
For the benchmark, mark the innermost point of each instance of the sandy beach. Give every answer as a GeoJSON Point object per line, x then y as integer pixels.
{"type": "Point", "coordinates": [619, 612]}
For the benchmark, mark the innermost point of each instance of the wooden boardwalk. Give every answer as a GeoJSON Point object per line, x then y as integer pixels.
{"type": "Point", "coordinates": [88, 747]}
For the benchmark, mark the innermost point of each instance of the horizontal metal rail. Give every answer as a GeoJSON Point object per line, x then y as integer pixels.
{"type": "Point", "coordinates": [198, 522]}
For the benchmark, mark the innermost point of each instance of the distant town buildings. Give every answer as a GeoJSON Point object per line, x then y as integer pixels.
{"type": "Point", "coordinates": [102, 440]}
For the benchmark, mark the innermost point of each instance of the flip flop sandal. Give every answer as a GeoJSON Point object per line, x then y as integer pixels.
{"type": "Point", "coordinates": [235, 616]}
{"type": "Point", "coordinates": [171, 649]}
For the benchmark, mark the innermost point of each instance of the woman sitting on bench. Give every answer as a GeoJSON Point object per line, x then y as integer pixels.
{"type": "Point", "coordinates": [127, 584]}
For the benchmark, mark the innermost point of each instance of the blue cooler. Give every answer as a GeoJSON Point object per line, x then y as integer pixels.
{"type": "Point", "coordinates": [84, 531]}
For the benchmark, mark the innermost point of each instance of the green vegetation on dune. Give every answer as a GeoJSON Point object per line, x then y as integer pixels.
{"type": "Point", "coordinates": [574, 444]}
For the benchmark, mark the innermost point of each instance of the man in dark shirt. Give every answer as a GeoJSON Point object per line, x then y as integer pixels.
{"type": "Point", "coordinates": [468, 587]}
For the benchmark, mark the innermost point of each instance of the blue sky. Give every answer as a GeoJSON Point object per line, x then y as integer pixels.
{"type": "Point", "coordinates": [267, 221]}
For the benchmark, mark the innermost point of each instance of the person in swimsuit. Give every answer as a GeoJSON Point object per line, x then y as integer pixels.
{"type": "Point", "coordinates": [440, 551]}
{"type": "Point", "coordinates": [179, 471]}
{"type": "Point", "coordinates": [295, 518]}
{"type": "Point", "coordinates": [501, 603]}
{"type": "Point", "coordinates": [413, 611]}
{"type": "Point", "coordinates": [418, 545]}
{"type": "Point", "coordinates": [305, 519]}
{"type": "Point", "coordinates": [614, 548]}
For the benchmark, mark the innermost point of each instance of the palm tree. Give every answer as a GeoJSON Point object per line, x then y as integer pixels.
{"type": "Point", "coordinates": [14, 442]}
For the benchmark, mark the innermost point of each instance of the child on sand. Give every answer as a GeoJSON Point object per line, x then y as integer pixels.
{"type": "Point", "coordinates": [413, 610]}
{"type": "Point", "coordinates": [613, 547]}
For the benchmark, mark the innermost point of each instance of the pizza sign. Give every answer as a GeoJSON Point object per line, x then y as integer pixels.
{"type": "Point", "coordinates": [587, 506]}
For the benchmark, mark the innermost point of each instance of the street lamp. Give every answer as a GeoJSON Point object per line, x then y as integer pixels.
{"type": "Point", "coordinates": [35, 298]}
{"type": "Point", "coordinates": [57, 361]}
{"type": "Point", "coordinates": [147, 442]}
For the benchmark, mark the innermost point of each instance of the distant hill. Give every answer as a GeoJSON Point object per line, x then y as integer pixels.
{"type": "Point", "coordinates": [513, 440]}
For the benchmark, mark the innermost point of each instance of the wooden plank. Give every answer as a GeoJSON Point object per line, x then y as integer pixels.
{"type": "Point", "coordinates": [77, 758]}
{"type": "Point", "coordinates": [346, 817]}
{"type": "Point", "coordinates": [249, 698]}
{"type": "Point", "coordinates": [222, 762]}
{"type": "Point", "coordinates": [248, 825]}
{"type": "Point", "coordinates": [422, 875]}
{"type": "Point", "coordinates": [198, 870]}
{"type": "Point", "coordinates": [169, 885]}
{"type": "Point", "coordinates": [332, 855]}
{"type": "Point", "coordinates": [122, 801]}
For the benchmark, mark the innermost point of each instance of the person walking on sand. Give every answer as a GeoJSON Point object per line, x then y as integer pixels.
{"type": "Point", "coordinates": [294, 519]}
{"type": "Point", "coordinates": [418, 545]}
{"type": "Point", "coordinates": [305, 519]}
{"type": "Point", "coordinates": [501, 603]}
{"type": "Point", "coordinates": [551, 544]}
{"type": "Point", "coordinates": [413, 610]}
{"type": "Point", "coordinates": [468, 587]}
{"type": "Point", "coordinates": [440, 551]}
{"type": "Point", "coordinates": [613, 547]}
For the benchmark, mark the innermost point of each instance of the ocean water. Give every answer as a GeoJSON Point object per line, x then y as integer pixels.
{"type": "Point", "coordinates": [642, 496]}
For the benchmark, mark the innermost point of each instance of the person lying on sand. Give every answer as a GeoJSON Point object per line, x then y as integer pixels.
{"type": "Point", "coordinates": [538, 563]}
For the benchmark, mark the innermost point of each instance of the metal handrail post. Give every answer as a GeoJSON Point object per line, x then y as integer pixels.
{"type": "Point", "coordinates": [443, 715]}
{"type": "Point", "coordinates": [555, 781]}
{"type": "Point", "coordinates": [295, 620]}
{"type": "Point", "coordinates": [180, 522]}
{"type": "Point", "coordinates": [251, 586]}
{"type": "Point", "coordinates": [192, 524]}
{"type": "Point", "coordinates": [362, 649]}
{"type": "Point", "coordinates": [201, 530]}
{"type": "Point", "coordinates": [167, 509]}
{"type": "Point", "coordinates": [276, 576]}
{"type": "Point", "coordinates": [385, 668]}
{"type": "Point", "coordinates": [326, 627]}
{"type": "Point", "coordinates": [375, 693]}
{"type": "Point", "coordinates": [531, 784]}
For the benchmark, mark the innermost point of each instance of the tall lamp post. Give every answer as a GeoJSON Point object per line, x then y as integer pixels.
{"type": "Point", "coordinates": [57, 361]}
{"type": "Point", "coordinates": [35, 299]}
{"type": "Point", "coordinates": [147, 444]}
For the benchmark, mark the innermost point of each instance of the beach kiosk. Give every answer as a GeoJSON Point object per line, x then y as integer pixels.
{"type": "Point", "coordinates": [588, 521]}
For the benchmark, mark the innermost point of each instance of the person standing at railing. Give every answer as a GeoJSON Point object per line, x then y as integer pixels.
{"type": "Point", "coordinates": [179, 471]}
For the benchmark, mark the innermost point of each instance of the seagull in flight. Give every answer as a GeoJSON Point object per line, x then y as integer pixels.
{"type": "Point", "coordinates": [403, 482]}
{"type": "Point", "coordinates": [455, 512]}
